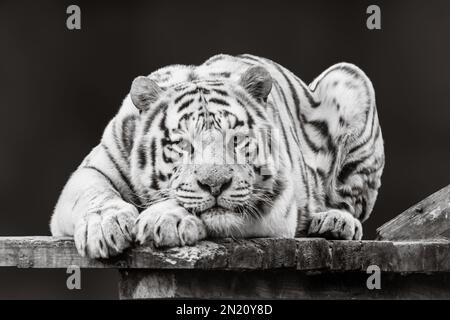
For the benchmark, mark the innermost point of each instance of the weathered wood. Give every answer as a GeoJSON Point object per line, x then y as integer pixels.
{"type": "Point", "coordinates": [429, 219]}
{"type": "Point", "coordinates": [255, 254]}
{"type": "Point", "coordinates": [280, 284]}
{"type": "Point", "coordinates": [256, 268]}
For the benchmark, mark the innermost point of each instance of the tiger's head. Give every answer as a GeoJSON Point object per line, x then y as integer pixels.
{"type": "Point", "coordinates": [209, 145]}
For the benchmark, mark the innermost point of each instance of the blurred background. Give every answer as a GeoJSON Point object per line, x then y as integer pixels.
{"type": "Point", "coordinates": [59, 88]}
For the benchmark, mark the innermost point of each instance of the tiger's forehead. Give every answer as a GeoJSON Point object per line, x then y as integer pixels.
{"type": "Point", "coordinates": [221, 92]}
{"type": "Point", "coordinates": [204, 104]}
{"type": "Point", "coordinates": [201, 84]}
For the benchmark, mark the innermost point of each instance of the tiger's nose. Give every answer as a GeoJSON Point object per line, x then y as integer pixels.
{"type": "Point", "coordinates": [214, 179]}
{"type": "Point", "coordinates": [216, 188]}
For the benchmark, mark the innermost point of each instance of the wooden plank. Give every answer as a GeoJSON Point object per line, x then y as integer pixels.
{"type": "Point", "coordinates": [314, 254]}
{"type": "Point", "coordinates": [307, 254]}
{"type": "Point", "coordinates": [49, 252]}
{"type": "Point", "coordinates": [281, 284]}
{"type": "Point", "coordinates": [429, 219]}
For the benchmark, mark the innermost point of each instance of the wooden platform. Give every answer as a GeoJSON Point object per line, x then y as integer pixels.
{"type": "Point", "coordinates": [258, 268]}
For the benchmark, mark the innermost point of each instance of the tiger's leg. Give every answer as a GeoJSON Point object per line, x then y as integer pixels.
{"type": "Point", "coordinates": [352, 159]}
{"type": "Point", "coordinates": [92, 211]}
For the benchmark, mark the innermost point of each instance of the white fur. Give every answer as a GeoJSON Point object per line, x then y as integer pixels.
{"type": "Point", "coordinates": [104, 221]}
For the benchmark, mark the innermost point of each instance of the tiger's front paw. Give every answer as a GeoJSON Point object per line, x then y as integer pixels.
{"type": "Point", "coordinates": [168, 225]}
{"type": "Point", "coordinates": [335, 224]}
{"type": "Point", "coordinates": [106, 232]}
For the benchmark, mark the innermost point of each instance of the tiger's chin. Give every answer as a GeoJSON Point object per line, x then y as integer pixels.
{"type": "Point", "coordinates": [223, 222]}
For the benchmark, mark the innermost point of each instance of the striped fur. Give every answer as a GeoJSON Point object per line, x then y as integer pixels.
{"type": "Point", "coordinates": [147, 179]}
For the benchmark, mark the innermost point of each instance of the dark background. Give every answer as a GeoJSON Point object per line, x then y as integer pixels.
{"type": "Point", "coordinates": [59, 88]}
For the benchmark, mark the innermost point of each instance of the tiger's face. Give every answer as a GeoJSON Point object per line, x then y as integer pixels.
{"type": "Point", "coordinates": [208, 144]}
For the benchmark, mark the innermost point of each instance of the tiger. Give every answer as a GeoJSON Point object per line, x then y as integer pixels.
{"type": "Point", "coordinates": [235, 147]}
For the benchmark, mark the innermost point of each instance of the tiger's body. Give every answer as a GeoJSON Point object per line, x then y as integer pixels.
{"type": "Point", "coordinates": [320, 176]}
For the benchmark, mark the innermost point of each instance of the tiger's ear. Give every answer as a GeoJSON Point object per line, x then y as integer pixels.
{"type": "Point", "coordinates": [257, 81]}
{"type": "Point", "coordinates": [144, 92]}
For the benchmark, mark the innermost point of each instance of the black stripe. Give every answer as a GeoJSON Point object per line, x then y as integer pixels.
{"type": "Point", "coordinates": [162, 107]}
{"type": "Point", "coordinates": [154, 184]}
{"type": "Point", "coordinates": [295, 137]}
{"type": "Point", "coordinates": [119, 170]}
{"type": "Point", "coordinates": [250, 121]}
{"type": "Point", "coordinates": [221, 92]}
{"type": "Point", "coordinates": [291, 88]}
{"type": "Point", "coordinates": [214, 83]}
{"type": "Point", "coordinates": [204, 90]}
{"type": "Point", "coordinates": [248, 104]}
{"type": "Point", "coordinates": [184, 94]}
{"type": "Point", "coordinates": [364, 212]}
{"type": "Point", "coordinates": [320, 126]}
{"type": "Point", "coordinates": [302, 120]}
{"type": "Point", "coordinates": [142, 156]}
{"type": "Point", "coordinates": [238, 195]}
{"type": "Point", "coordinates": [185, 104]}
{"type": "Point", "coordinates": [374, 115]}
{"type": "Point", "coordinates": [305, 183]}
{"type": "Point", "coordinates": [306, 172]}
{"type": "Point", "coordinates": [314, 175]}
{"type": "Point", "coordinates": [314, 104]}
{"type": "Point", "coordinates": [162, 125]}
{"type": "Point", "coordinates": [291, 117]}
{"type": "Point", "coordinates": [153, 153]}
{"type": "Point", "coordinates": [321, 174]}
{"type": "Point", "coordinates": [219, 101]}
{"type": "Point", "coordinates": [190, 197]}
{"type": "Point", "coordinates": [304, 87]}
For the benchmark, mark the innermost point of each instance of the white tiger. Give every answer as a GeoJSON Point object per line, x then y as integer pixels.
{"type": "Point", "coordinates": [166, 170]}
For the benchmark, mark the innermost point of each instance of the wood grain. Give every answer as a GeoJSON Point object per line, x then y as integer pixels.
{"type": "Point", "coordinates": [278, 284]}
{"type": "Point", "coordinates": [429, 219]}
{"type": "Point", "coordinates": [306, 254]}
